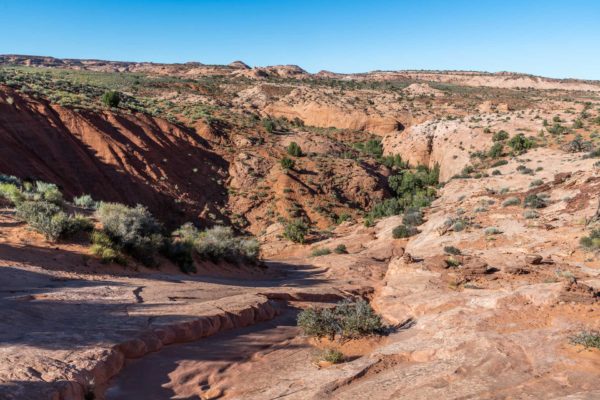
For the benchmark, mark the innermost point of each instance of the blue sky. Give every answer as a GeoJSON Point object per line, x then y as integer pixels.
{"type": "Point", "coordinates": [550, 38]}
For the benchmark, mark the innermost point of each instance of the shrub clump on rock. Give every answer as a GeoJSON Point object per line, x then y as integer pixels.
{"type": "Point", "coordinates": [347, 320]}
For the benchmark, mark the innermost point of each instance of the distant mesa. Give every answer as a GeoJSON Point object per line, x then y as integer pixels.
{"type": "Point", "coordinates": [239, 65]}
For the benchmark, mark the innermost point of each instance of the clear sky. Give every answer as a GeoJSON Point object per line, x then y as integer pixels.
{"type": "Point", "coordinates": [550, 38]}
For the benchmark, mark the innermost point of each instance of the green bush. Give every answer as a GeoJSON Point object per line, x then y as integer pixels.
{"type": "Point", "coordinates": [496, 150]}
{"type": "Point", "coordinates": [499, 136]}
{"type": "Point", "coordinates": [320, 251]}
{"type": "Point", "coordinates": [44, 217]}
{"type": "Point", "coordinates": [86, 201]}
{"type": "Point", "coordinates": [535, 201]}
{"type": "Point", "coordinates": [105, 248]}
{"type": "Point", "coordinates": [220, 243]}
{"type": "Point", "coordinates": [531, 214]}
{"type": "Point", "coordinates": [452, 250]}
{"type": "Point", "coordinates": [333, 356]}
{"type": "Point", "coordinates": [294, 150]}
{"type": "Point", "coordinates": [348, 320]}
{"type": "Point", "coordinates": [134, 229]}
{"type": "Point", "coordinates": [287, 163]}
{"type": "Point", "coordinates": [591, 242]}
{"type": "Point", "coordinates": [492, 230]}
{"type": "Point", "coordinates": [403, 231]}
{"type": "Point", "coordinates": [48, 219]}
{"type": "Point", "coordinates": [371, 147]}
{"type": "Point", "coordinates": [49, 192]}
{"type": "Point", "coordinates": [269, 125]}
{"type": "Point", "coordinates": [111, 99]}
{"type": "Point", "coordinates": [295, 231]}
{"type": "Point", "coordinates": [412, 217]}
{"type": "Point", "coordinates": [499, 163]}
{"type": "Point", "coordinates": [536, 182]}
{"type": "Point", "coordinates": [520, 144]}
{"type": "Point", "coordinates": [587, 339]}
{"type": "Point", "coordinates": [340, 249]}
{"type": "Point", "coordinates": [511, 201]}
{"type": "Point", "coordinates": [11, 192]}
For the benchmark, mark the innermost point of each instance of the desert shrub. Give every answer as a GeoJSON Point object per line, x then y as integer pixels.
{"type": "Point", "coordinates": [287, 163]}
{"type": "Point", "coordinates": [295, 230]}
{"type": "Point", "coordinates": [294, 150]}
{"type": "Point", "coordinates": [133, 228]}
{"type": "Point", "coordinates": [496, 150]}
{"type": "Point", "coordinates": [215, 244]}
{"type": "Point", "coordinates": [393, 161]}
{"type": "Point", "coordinates": [340, 249]}
{"type": "Point", "coordinates": [594, 153]}
{"type": "Point", "coordinates": [452, 250]}
{"type": "Point", "coordinates": [49, 192]}
{"type": "Point", "coordinates": [557, 129]}
{"type": "Point", "coordinates": [220, 243]}
{"type": "Point", "coordinates": [499, 163]}
{"type": "Point", "coordinates": [587, 339]}
{"type": "Point", "coordinates": [592, 241]}
{"type": "Point", "coordinates": [320, 251]}
{"type": "Point", "coordinates": [10, 179]}
{"type": "Point", "coordinates": [86, 201]}
{"type": "Point", "coordinates": [403, 231]}
{"type": "Point", "coordinates": [577, 124]}
{"type": "Point", "coordinates": [535, 201]}
{"type": "Point", "coordinates": [269, 125]}
{"type": "Point", "coordinates": [372, 147]}
{"type": "Point", "coordinates": [520, 144]}
{"type": "Point", "coordinates": [111, 99]}
{"type": "Point", "coordinates": [492, 230]}
{"type": "Point", "coordinates": [11, 192]}
{"type": "Point", "coordinates": [531, 214]}
{"type": "Point", "coordinates": [412, 217]}
{"type": "Point", "coordinates": [75, 224]}
{"type": "Point", "coordinates": [49, 219]}
{"type": "Point", "coordinates": [452, 262]}
{"type": "Point", "coordinates": [578, 144]}
{"type": "Point", "coordinates": [348, 320]}
{"type": "Point", "coordinates": [180, 251]}
{"type": "Point", "coordinates": [511, 201]}
{"type": "Point", "coordinates": [496, 172]}
{"type": "Point", "coordinates": [536, 182]}
{"type": "Point", "coordinates": [499, 136]}
{"type": "Point", "coordinates": [105, 248]}
{"type": "Point", "coordinates": [333, 356]}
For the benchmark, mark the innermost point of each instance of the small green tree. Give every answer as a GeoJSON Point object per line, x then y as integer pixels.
{"type": "Point", "coordinates": [111, 99]}
{"type": "Point", "coordinates": [520, 143]}
{"type": "Point", "coordinates": [496, 150]}
{"type": "Point", "coordinates": [287, 163]}
{"type": "Point", "coordinates": [499, 136]}
{"type": "Point", "coordinates": [269, 125]}
{"type": "Point", "coordinates": [296, 231]}
{"type": "Point", "coordinates": [294, 150]}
